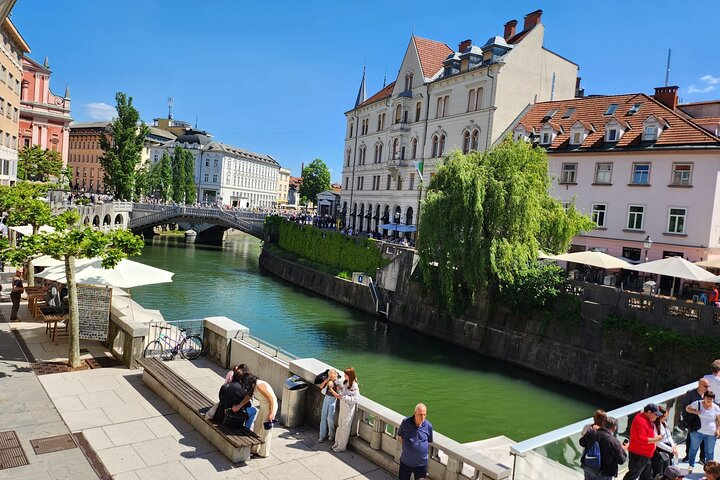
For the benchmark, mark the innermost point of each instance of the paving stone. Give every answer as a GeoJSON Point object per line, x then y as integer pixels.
{"type": "Point", "coordinates": [328, 467]}
{"type": "Point", "coordinates": [168, 425]}
{"type": "Point", "coordinates": [98, 439]}
{"type": "Point", "coordinates": [285, 447]}
{"type": "Point", "coordinates": [69, 403]}
{"type": "Point", "coordinates": [210, 465]}
{"type": "Point", "coordinates": [126, 476]}
{"type": "Point", "coordinates": [377, 474]}
{"type": "Point", "coordinates": [194, 444]}
{"type": "Point", "coordinates": [174, 470]}
{"type": "Point", "coordinates": [56, 389]}
{"type": "Point", "coordinates": [51, 429]}
{"type": "Point", "coordinates": [78, 421]}
{"type": "Point", "coordinates": [126, 412]}
{"type": "Point", "coordinates": [159, 450]}
{"type": "Point", "coordinates": [101, 399]}
{"type": "Point", "coordinates": [98, 383]}
{"type": "Point", "coordinates": [288, 470]}
{"type": "Point", "coordinates": [121, 459]}
{"type": "Point", "coordinates": [129, 432]}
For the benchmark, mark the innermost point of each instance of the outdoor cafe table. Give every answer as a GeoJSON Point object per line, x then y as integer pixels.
{"type": "Point", "coordinates": [33, 296]}
{"type": "Point", "coordinates": [53, 315]}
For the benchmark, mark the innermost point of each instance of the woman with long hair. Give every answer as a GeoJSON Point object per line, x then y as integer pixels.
{"type": "Point", "coordinates": [348, 396]}
{"type": "Point", "coordinates": [265, 395]}
{"type": "Point", "coordinates": [665, 449]}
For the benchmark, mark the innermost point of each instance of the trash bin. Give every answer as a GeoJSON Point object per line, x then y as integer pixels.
{"type": "Point", "coordinates": [649, 287]}
{"type": "Point", "coordinates": [292, 411]}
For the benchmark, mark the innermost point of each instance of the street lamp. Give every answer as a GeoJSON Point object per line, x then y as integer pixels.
{"type": "Point", "coordinates": [647, 244]}
{"type": "Point", "coordinates": [397, 221]}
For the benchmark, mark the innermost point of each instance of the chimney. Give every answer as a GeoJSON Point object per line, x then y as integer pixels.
{"type": "Point", "coordinates": [510, 29]}
{"type": "Point", "coordinates": [532, 19]}
{"type": "Point", "coordinates": [668, 96]}
{"type": "Point", "coordinates": [579, 91]}
{"type": "Point", "coordinates": [464, 45]}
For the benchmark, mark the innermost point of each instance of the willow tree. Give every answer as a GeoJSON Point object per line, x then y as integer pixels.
{"type": "Point", "coordinates": [69, 245]}
{"type": "Point", "coordinates": [484, 219]}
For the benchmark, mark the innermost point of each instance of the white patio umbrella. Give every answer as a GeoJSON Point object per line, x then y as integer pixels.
{"type": "Point", "coordinates": [126, 274]}
{"type": "Point", "coordinates": [676, 267]}
{"type": "Point", "coordinates": [26, 230]}
{"type": "Point", "coordinates": [46, 261]}
{"type": "Point", "coordinates": [594, 259]}
{"type": "Point", "coordinates": [712, 263]}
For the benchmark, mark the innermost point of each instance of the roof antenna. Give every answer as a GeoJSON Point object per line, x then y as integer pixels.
{"type": "Point", "coordinates": [667, 69]}
{"type": "Point", "coordinates": [170, 103]}
{"type": "Point", "coordinates": [385, 76]}
{"type": "Point", "coordinates": [195, 122]}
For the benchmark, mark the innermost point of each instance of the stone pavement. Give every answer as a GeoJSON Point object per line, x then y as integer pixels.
{"type": "Point", "coordinates": [135, 434]}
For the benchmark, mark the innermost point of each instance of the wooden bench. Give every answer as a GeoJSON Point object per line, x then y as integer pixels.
{"type": "Point", "coordinates": [190, 402]}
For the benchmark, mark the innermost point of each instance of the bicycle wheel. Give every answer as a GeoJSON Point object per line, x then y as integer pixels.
{"type": "Point", "coordinates": [153, 350]}
{"type": "Point", "coordinates": [191, 347]}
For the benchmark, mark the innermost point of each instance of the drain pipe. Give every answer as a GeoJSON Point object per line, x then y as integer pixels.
{"type": "Point", "coordinates": [492, 106]}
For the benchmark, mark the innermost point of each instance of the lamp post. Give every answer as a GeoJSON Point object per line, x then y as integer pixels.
{"type": "Point", "coordinates": [397, 222]}
{"type": "Point", "coordinates": [647, 244]}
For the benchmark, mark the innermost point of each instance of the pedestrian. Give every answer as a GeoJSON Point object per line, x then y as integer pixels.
{"type": "Point", "coordinates": [712, 470]}
{"type": "Point", "coordinates": [612, 452]}
{"type": "Point", "coordinates": [329, 385]}
{"type": "Point", "coordinates": [665, 450]}
{"type": "Point", "coordinates": [348, 396]}
{"type": "Point", "coordinates": [714, 377]}
{"type": "Point", "coordinates": [642, 443]}
{"type": "Point", "coordinates": [714, 297]}
{"type": "Point", "coordinates": [598, 420]}
{"type": "Point", "coordinates": [415, 435]}
{"type": "Point", "coordinates": [16, 292]}
{"type": "Point", "coordinates": [265, 395]}
{"type": "Point", "coordinates": [690, 421]}
{"type": "Point", "coordinates": [709, 430]}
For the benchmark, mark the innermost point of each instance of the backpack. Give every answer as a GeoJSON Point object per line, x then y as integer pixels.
{"type": "Point", "coordinates": [591, 457]}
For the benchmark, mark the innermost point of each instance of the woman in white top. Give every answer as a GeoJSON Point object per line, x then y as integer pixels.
{"type": "Point", "coordinates": [265, 417]}
{"type": "Point", "coordinates": [709, 414]}
{"type": "Point", "coordinates": [348, 397]}
{"type": "Point", "coordinates": [665, 449]}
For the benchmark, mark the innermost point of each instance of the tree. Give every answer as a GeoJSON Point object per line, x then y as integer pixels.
{"type": "Point", "coordinates": [178, 175]}
{"type": "Point", "coordinates": [315, 179]}
{"type": "Point", "coordinates": [121, 155]}
{"type": "Point", "coordinates": [485, 217]}
{"type": "Point", "coordinates": [190, 187]}
{"type": "Point", "coordinates": [160, 178]}
{"type": "Point", "coordinates": [37, 164]}
{"type": "Point", "coordinates": [69, 245]}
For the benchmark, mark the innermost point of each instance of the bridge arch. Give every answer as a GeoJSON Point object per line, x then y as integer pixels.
{"type": "Point", "coordinates": [96, 221]}
{"type": "Point", "coordinates": [106, 221]}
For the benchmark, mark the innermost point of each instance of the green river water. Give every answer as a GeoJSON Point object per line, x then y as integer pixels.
{"type": "Point", "coordinates": [469, 397]}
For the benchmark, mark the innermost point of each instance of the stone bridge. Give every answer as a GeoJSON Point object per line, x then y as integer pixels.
{"type": "Point", "coordinates": [209, 223]}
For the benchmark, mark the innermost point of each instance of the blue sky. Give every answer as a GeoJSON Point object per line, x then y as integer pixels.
{"type": "Point", "coordinates": [276, 77]}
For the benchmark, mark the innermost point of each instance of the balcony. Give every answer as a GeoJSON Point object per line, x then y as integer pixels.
{"type": "Point", "coordinates": [397, 163]}
{"type": "Point", "coordinates": [399, 127]}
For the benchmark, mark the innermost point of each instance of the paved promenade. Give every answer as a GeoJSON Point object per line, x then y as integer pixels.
{"type": "Point", "coordinates": [135, 434]}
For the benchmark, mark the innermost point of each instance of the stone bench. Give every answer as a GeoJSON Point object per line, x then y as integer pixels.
{"type": "Point", "coordinates": [189, 402]}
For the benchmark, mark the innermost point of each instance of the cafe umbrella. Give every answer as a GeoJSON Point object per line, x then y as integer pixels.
{"type": "Point", "coordinates": [126, 274]}
{"type": "Point", "coordinates": [675, 267]}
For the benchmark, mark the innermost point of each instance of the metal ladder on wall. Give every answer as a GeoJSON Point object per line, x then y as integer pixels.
{"type": "Point", "coordinates": [379, 300]}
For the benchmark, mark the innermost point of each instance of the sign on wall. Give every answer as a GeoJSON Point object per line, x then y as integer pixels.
{"type": "Point", "coordinates": [94, 310]}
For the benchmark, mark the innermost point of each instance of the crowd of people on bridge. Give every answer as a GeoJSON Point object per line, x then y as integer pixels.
{"type": "Point", "coordinates": [651, 449]}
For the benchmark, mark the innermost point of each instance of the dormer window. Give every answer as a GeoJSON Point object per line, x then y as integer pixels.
{"type": "Point", "coordinates": [576, 138]}
{"type": "Point", "coordinates": [578, 132]}
{"type": "Point", "coordinates": [520, 133]}
{"type": "Point", "coordinates": [546, 138]}
{"type": "Point", "coordinates": [650, 133]}
{"type": "Point", "coordinates": [612, 135]}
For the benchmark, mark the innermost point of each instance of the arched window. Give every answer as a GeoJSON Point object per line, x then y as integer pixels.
{"type": "Point", "coordinates": [398, 114]}
{"type": "Point", "coordinates": [441, 147]}
{"type": "Point", "coordinates": [471, 100]}
{"type": "Point", "coordinates": [474, 141]}
{"type": "Point", "coordinates": [418, 107]}
{"type": "Point", "coordinates": [466, 142]}
{"type": "Point", "coordinates": [439, 110]}
{"type": "Point", "coordinates": [347, 161]}
{"type": "Point", "coordinates": [434, 146]}
{"type": "Point", "coordinates": [414, 148]}
{"type": "Point", "coordinates": [362, 155]}
{"type": "Point", "coordinates": [376, 156]}
{"type": "Point", "coordinates": [396, 149]}
{"type": "Point", "coordinates": [478, 101]}
{"type": "Point", "coordinates": [380, 153]}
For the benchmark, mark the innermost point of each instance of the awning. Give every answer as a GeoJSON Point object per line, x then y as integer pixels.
{"type": "Point", "coordinates": [399, 227]}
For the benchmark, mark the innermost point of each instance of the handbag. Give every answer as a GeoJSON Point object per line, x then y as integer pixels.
{"type": "Point", "coordinates": [235, 419]}
{"type": "Point", "coordinates": [665, 456]}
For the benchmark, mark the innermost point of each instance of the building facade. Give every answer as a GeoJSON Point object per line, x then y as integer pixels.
{"type": "Point", "coordinates": [644, 171]}
{"type": "Point", "coordinates": [44, 116]}
{"type": "Point", "coordinates": [225, 174]}
{"type": "Point", "coordinates": [84, 153]}
{"type": "Point", "coordinates": [441, 100]}
{"type": "Point", "coordinates": [12, 50]}
{"type": "Point", "coordinates": [283, 187]}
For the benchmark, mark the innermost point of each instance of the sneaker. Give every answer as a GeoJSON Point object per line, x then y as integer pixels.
{"type": "Point", "coordinates": [332, 439]}
{"type": "Point", "coordinates": [321, 440]}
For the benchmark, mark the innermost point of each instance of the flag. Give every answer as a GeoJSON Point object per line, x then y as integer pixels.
{"type": "Point", "coordinates": [419, 168]}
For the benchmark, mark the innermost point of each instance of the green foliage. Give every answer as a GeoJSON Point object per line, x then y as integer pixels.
{"type": "Point", "coordinates": [329, 248]}
{"type": "Point", "coordinates": [37, 164]}
{"type": "Point", "coordinates": [25, 203]}
{"type": "Point", "coordinates": [315, 179]}
{"type": "Point", "coordinates": [160, 178]}
{"type": "Point", "coordinates": [536, 286]}
{"type": "Point", "coordinates": [121, 153]}
{"type": "Point", "coordinates": [345, 274]}
{"type": "Point", "coordinates": [485, 217]}
{"type": "Point", "coordinates": [655, 338]}
{"type": "Point", "coordinates": [189, 185]}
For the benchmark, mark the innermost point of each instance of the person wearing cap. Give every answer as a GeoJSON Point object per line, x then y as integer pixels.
{"type": "Point", "coordinates": [672, 473]}
{"type": "Point", "coordinates": [612, 453]}
{"type": "Point", "coordinates": [709, 414]}
{"type": "Point", "coordinates": [15, 293]}
{"type": "Point", "coordinates": [642, 443]}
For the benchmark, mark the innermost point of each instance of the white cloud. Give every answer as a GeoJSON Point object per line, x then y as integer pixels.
{"type": "Point", "coordinates": [694, 89]}
{"type": "Point", "coordinates": [100, 111]}
{"type": "Point", "coordinates": [710, 80]}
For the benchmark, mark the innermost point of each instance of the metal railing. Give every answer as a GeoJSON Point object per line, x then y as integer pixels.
{"type": "Point", "coordinates": [556, 455]}
{"type": "Point", "coordinates": [240, 220]}
{"type": "Point", "coordinates": [267, 347]}
{"type": "Point", "coordinates": [174, 335]}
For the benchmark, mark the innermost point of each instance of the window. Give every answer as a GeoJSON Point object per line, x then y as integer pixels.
{"type": "Point", "coordinates": [641, 174]}
{"type": "Point", "coordinates": [478, 99]}
{"type": "Point", "coordinates": [475, 140]}
{"type": "Point", "coordinates": [399, 182]}
{"type": "Point", "coordinates": [398, 113]}
{"type": "Point", "coordinates": [396, 149]}
{"type": "Point", "coordinates": [352, 125]}
{"type": "Point", "coordinates": [576, 138]}
{"type": "Point", "coordinates": [569, 112]}
{"type": "Point", "coordinates": [611, 109]}
{"type": "Point", "coordinates": [438, 110]}
{"type": "Point", "coordinates": [472, 100]}
{"type": "Point", "coordinates": [365, 124]}
{"type": "Point", "coordinates": [631, 253]}
{"type": "Point", "coordinates": [634, 109]}
{"type": "Point", "coordinates": [363, 151]}
{"type": "Point", "coordinates": [418, 107]}
{"type": "Point", "coordinates": [598, 214]}
{"type": "Point", "coordinates": [441, 147]}
{"type": "Point", "coordinates": [347, 160]}
{"type": "Point", "coordinates": [603, 173]}
{"type": "Point", "coordinates": [206, 177]}
{"type": "Point", "coordinates": [446, 106]}
{"type": "Point", "coordinates": [635, 217]}
{"type": "Point", "coordinates": [466, 142]}
{"type": "Point", "coordinates": [545, 139]}
{"type": "Point", "coordinates": [551, 113]}
{"type": "Point", "coordinates": [434, 146]}
{"type": "Point", "coordinates": [414, 147]}
{"type": "Point", "coordinates": [681, 173]}
{"type": "Point", "coordinates": [347, 181]}
{"type": "Point", "coordinates": [568, 173]}
{"type": "Point", "coordinates": [611, 135]}
{"type": "Point", "coordinates": [411, 183]}
{"type": "Point", "coordinates": [650, 133]}
{"type": "Point", "coordinates": [676, 220]}
{"type": "Point", "coordinates": [387, 186]}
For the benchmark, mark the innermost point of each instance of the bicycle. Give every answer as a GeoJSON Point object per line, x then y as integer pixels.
{"type": "Point", "coordinates": [189, 346]}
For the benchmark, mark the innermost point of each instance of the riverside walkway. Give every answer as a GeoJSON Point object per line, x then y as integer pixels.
{"type": "Point", "coordinates": [132, 432]}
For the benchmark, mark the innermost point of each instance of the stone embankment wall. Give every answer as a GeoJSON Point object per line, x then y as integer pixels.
{"type": "Point", "coordinates": [343, 291]}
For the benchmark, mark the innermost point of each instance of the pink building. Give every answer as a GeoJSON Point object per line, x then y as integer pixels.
{"type": "Point", "coordinates": [44, 116]}
{"type": "Point", "coordinates": [640, 167]}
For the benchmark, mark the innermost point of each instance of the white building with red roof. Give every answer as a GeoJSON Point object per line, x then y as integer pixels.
{"type": "Point", "coordinates": [644, 170]}
{"type": "Point", "coordinates": [441, 100]}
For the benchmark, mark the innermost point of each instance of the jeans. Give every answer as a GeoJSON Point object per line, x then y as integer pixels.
{"type": "Point", "coordinates": [638, 467]}
{"type": "Point", "coordinates": [327, 418]}
{"type": "Point", "coordinates": [707, 440]}
{"type": "Point", "coordinates": [252, 413]}
{"type": "Point", "coordinates": [417, 472]}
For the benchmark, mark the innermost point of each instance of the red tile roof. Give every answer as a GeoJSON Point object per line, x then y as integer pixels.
{"type": "Point", "coordinates": [682, 131]}
{"type": "Point", "coordinates": [382, 94]}
{"type": "Point", "coordinates": [432, 55]}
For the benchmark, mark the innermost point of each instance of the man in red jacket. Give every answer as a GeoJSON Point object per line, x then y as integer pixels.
{"type": "Point", "coordinates": [642, 443]}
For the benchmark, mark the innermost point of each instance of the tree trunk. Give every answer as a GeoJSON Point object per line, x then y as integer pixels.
{"type": "Point", "coordinates": [30, 273]}
{"type": "Point", "coordinates": [74, 327]}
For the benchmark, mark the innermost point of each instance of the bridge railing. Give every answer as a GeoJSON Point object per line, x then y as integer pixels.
{"type": "Point", "coordinates": [230, 218]}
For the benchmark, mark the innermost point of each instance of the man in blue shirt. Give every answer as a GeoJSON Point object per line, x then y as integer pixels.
{"type": "Point", "coordinates": [415, 434]}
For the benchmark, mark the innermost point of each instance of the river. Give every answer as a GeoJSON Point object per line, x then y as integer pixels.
{"type": "Point", "coordinates": [469, 397]}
